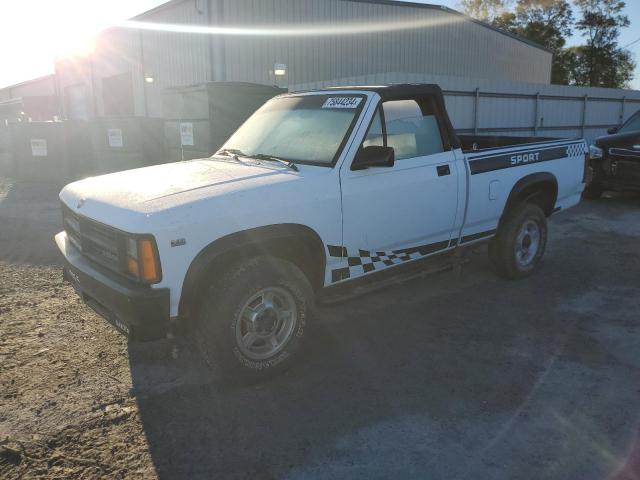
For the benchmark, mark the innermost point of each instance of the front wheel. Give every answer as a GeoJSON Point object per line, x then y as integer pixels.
{"type": "Point", "coordinates": [519, 245]}
{"type": "Point", "coordinates": [253, 321]}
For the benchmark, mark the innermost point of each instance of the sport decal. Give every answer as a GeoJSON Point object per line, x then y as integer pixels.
{"type": "Point", "coordinates": [498, 162]}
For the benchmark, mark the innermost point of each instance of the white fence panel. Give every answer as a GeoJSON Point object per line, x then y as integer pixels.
{"type": "Point", "coordinates": [561, 113]}
{"type": "Point", "coordinates": [461, 110]}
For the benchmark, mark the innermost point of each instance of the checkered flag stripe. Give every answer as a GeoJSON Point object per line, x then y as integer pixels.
{"type": "Point", "coordinates": [366, 261]}
{"type": "Point", "coordinates": [575, 150]}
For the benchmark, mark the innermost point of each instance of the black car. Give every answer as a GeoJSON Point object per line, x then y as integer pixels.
{"type": "Point", "coordinates": [615, 160]}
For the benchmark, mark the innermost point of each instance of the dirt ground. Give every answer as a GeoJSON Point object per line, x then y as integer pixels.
{"type": "Point", "coordinates": [439, 378]}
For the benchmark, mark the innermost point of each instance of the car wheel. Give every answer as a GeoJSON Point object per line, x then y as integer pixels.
{"type": "Point", "coordinates": [254, 318]}
{"type": "Point", "coordinates": [520, 242]}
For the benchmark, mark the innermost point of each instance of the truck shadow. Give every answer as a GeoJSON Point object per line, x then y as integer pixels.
{"type": "Point", "coordinates": [411, 373]}
{"type": "Point", "coordinates": [29, 218]}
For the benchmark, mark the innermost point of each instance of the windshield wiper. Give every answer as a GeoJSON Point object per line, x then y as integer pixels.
{"type": "Point", "coordinates": [231, 152]}
{"type": "Point", "coordinates": [236, 154]}
{"type": "Point", "coordinates": [264, 156]}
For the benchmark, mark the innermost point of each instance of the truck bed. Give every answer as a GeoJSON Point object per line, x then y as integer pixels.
{"type": "Point", "coordinates": [472, 143]}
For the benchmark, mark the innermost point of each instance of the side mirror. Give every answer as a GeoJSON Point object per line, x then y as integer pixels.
{"type": "Point", "coordinates": [373, 156]}
{"type": "Point", "coordinates": [612, 130]}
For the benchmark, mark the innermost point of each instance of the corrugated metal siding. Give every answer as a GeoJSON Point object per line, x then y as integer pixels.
{"type": "Point", "coordinates": [172, 59]}
{"type": "Point", "coordinates": [451, 52]}
{"type": "Point", "coordinates": [73, 76]}
{"type": "Point", "coordinates": [118, 51]}
{"type": "Point", "coordinates": [176, 59]}
{"type": "Point", "coordinates": [452, 45]}
{"type": "Point", "coordinates": [42, 86]}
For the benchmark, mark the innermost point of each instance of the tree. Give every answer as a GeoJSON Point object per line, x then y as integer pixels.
{"type": "Point", "coordinates": [586, 68]}
{"type": "Point", "coordinates": [485, 10]}
{"type": "Point", "coordinates": [601, 62]}
{"type": "Point", "coordinates": [548, 23]}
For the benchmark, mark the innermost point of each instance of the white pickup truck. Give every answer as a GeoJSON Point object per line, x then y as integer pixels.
{"type": "Point", "coordinates": [316, 190]}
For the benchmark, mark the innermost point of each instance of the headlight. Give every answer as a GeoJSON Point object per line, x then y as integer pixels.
{"type": "Point", "coordinates": [142, 260]}
{"type": "Point", "coordinates": [595, 152]}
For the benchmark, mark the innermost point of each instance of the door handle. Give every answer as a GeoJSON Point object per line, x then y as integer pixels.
{"type": "Point", "coordinates": [443, 170]}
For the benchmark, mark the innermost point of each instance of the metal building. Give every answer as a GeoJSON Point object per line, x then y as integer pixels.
{"type": "Point", "coordinates": [305, 41]}
{"type": "Point", "coordinates": [32, 100]}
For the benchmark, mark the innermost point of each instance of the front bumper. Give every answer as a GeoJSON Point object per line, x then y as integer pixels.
{"type": "Point", "coordinates": [617, 173]}
{"type": "Point", "coordinates": [139, 312]}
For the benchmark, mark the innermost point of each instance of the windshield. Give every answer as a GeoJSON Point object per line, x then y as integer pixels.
{"type": "Point", "coordinates": [304, 129]}
{"type": "Point", "coordinates": [632, 125]}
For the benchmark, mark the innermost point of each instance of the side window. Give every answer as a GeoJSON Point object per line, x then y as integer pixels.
{"type": "Point", "coordinates": [375, 135]}
{"type": "Point", "coordinates": [412, 128]}
{"type": "Point", "coordinates": [632, 125]}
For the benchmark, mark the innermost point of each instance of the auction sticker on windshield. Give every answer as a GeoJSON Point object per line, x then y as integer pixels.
{"type": "Point", "coordinates": [342, 102]}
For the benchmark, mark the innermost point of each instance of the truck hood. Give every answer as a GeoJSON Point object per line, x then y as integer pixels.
{"type": "Point", "coordinates": [619, 140]}
{"type": "Point", "coordinates": [152, 189]}
{"type": "Point", "coordinates": [621, 146]}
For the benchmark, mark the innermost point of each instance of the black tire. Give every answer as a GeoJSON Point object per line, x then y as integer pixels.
{"type": "Point", "coordinates": [505, 247]}
{"type": "Point", "coordinates": [593, 191]}
{"type": "Point", "coordinates": [219, 317]}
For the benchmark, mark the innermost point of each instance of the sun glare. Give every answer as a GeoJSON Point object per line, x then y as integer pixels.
{"type": "Point", "coordinates": [316, 29]}
{"type": "Point", "coordinates": [73, 43]}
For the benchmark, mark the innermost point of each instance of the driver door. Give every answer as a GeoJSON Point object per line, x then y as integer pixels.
{"type": "Point", "coordinates": [393, 215]}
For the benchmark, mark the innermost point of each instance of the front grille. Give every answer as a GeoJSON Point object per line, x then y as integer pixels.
{"type": "Point", "coordinates": [71, 224]}
{"type": "Point", "coordinates": [96, 241]}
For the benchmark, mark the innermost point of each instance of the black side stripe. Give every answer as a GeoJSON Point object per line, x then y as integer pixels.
{"type": "Point", "coordinates": [424, 249]}
{"type": "Point", "coordinates": [523, 157]}
{"type": "Point", "coordinates": [477, 236]}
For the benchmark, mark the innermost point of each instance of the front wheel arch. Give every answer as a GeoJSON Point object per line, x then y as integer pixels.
{"type": "Point", "coordinates": [296, 243]}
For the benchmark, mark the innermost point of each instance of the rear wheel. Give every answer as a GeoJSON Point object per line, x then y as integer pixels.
{"type": "Point", "coordinates": [519, 245]}
{"type": "Point", "coordinates": [253, 321]}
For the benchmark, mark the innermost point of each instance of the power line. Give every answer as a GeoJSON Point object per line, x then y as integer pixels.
{"type": "Point", "coordinates": [632, 43]}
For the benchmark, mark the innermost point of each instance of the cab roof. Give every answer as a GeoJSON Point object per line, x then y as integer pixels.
{"type": "Point", "coordinates": [406, 91]}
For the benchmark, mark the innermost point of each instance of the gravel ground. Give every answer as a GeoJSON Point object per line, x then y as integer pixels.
{"type": "Point", "coordinates": [445, 377]}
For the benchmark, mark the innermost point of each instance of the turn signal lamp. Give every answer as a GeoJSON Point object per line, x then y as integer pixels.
{"type": "Point", "coordinates": [146, 251]}
{"type": "Point", "coordinates": [142, 260]}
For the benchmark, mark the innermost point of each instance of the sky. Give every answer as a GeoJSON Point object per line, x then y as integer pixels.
{"type": "Point", "coordinates": [33, 32]}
